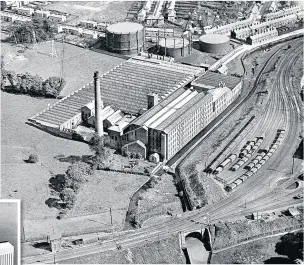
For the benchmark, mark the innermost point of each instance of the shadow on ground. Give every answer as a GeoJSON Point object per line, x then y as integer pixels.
{"type": "Point", "coordinates": [278, 260]}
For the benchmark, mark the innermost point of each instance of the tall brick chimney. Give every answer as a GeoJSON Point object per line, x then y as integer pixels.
{"type": "Point", "coordinates": [98, 105]}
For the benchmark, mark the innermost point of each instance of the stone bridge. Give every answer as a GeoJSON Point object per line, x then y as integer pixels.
{"type": "Point", "coordinates": [197, 246]}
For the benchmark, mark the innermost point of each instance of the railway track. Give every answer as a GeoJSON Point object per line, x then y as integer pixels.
{"type": "Point", "coordinates": [273, 116]}
{"type": "Point", "coordinates": [230, 207]}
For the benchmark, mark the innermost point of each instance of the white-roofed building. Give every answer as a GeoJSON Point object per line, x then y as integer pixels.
{"type": "Point", "coordinates": [6, 253]}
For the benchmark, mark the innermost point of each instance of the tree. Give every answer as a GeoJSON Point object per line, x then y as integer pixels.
{"type": "Point", "coordinates": [33, 158]}
{"type": "Point", "coordinates": [76, 174]}
{"type": "Point", "coordinates": [3, 5]}
{"type": "Point", "coordinates": [103, 155]}
{"type": "Point", "coordinates": [291, 245]}
{"type": "Point", "coordinates": [68, 196]}
{"type": "Point", "coordinates": [53, 86]}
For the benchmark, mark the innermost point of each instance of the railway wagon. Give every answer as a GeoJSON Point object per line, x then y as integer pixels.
{"type": "Point", "coordinates": [260, 140]}
{"type": "Point", "coordinates": [272, 150]}
{"type": "Point", "coordinates": [258, 157]}
{"type": "Point", "coordinates": [249, 173]}
{"type": "Point", "coordinates": [254, 169]}
{"type": "Point", "coordinates": [266, 157]}
{"type": "Point", "coordinates": [258, 166]}
{"type": "Point", "coordinates": [244, 177]}
{"type": "Point", "coordinates": [233, 185]}
{"type": "Point", "coordinates": [249, 166]}
{"type": "Point", "coordinates": [262, 152]}
{"type": "Point", "coordinates": [232, 157]}
{"type": "Point", "coordinates": [275, 146]}
{"type": "Point", "coordinates": [218, 170]}
{"type": "Point", "coordinates": [238, 182]}
{"type": "Point", "coordinates": [240, 162]}
{"type": "Point", "coordinates": [225, 162]}
{"type": "Point", "coordinates": [245, 159]}
{"type": "Point", "coordinates": [262, 162]}
{"type": "Point", "coordinates": [254, 148]}
{"type": "Point", "coordinates": [235, 167]}
{"type": "Point", "coordinates": [251, 143]}
{"type": "Point", "coordinates": [255, 161]}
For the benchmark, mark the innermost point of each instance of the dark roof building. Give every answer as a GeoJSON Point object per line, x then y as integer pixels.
{"type": "Point", "coordinates": [212, 80]}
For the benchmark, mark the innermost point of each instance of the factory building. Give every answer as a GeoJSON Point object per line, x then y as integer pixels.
{"type": "Point", "coordinates": [214, 43]}
{"type": "Point", "coordinates": [175, 47]}
{"type": "Point", "coordinates": [146, 105]}
{"type": "Point", "coordinates": [125, 87]}
{"type": "Point", "coordinates": [169, 125]}
{"type": "Point", "coordinates": [125, 38]}
{"type": "Point", "coordinates": [6, 253]}
{"type": "Point", "coordinates": [262, 36]}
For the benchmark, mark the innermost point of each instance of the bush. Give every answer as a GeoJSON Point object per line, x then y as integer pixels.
{"type": "Point", "coordinates": [133, 155]}
{"type": "Point", "coordinates": [33, 158]}
{"type": "Point", "coordinates": [138, 155]}
{"type": "Point", "coordinates": [68, 196]}
{"type": "Point", "coordinates": [227, 188]}
{"type": "Point", "coordinates": [77, 174]}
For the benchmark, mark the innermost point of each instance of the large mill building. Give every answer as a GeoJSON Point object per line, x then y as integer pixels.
{"type": "Point", "coordinates": [147, 105]}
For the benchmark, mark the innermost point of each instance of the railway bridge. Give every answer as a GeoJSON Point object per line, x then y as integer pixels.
{"type": "Point", "coordinates": [197, 246]}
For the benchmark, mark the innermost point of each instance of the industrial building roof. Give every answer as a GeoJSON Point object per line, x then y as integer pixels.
{"type": "Point", "coordinates": [168, 113]}
{"type": "Point", "coordinates": [125, 87]}
{"type": "Point", "coordinates": [212, 79]}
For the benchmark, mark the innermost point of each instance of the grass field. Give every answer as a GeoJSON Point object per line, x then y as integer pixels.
{"type": "Point", "coordinates": [158, 200]}
{"type": "Point", "coordinates": [105, 11]}
{"type": "Point", "coordinates": [79, 64]}
{"type": "Point", "coordinates": [29, 182]}
{"type": "Point", "coordinates": [258, 252]}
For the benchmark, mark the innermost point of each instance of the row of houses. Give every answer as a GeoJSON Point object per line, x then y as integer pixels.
{"type": "Point", "coordinates": [259, 27]}
{"type": "Point", "coordinates": [267, 34]}
{"type": "Point", "coordinates": [11, 17]}
{"type": "Point", "coordinates": [78, 31]}
{"type": "Point", "coordinates": [284, 12]}
{"type": "Point", "coordinates": [27, 11]}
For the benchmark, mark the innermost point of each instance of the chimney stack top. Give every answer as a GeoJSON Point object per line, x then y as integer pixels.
{"type": "Point", "coordinates": [96, 74]}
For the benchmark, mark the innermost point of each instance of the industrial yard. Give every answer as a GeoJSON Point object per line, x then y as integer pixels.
{"type": "Point", "coordinates": [164, 127]}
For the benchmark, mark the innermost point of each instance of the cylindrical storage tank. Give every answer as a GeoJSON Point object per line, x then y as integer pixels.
{"type": "Point", "coordinates": [214, 43]}
{"type": "Point", "coordinates": [175, 47]}
{"type": "Point", "coordinates": [125, 38]}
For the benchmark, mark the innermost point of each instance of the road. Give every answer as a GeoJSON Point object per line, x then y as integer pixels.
{"type": "Point", "coordinates": [232, 207]}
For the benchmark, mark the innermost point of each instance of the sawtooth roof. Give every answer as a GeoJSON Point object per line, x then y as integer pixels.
{"type": "Point", "coordinates": [125, 87]}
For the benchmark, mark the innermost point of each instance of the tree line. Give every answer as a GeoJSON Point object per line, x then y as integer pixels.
{"type": "Point", "coordinates": [34, 85]}
{"type": "Point", "coordinates": [36, 30]}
